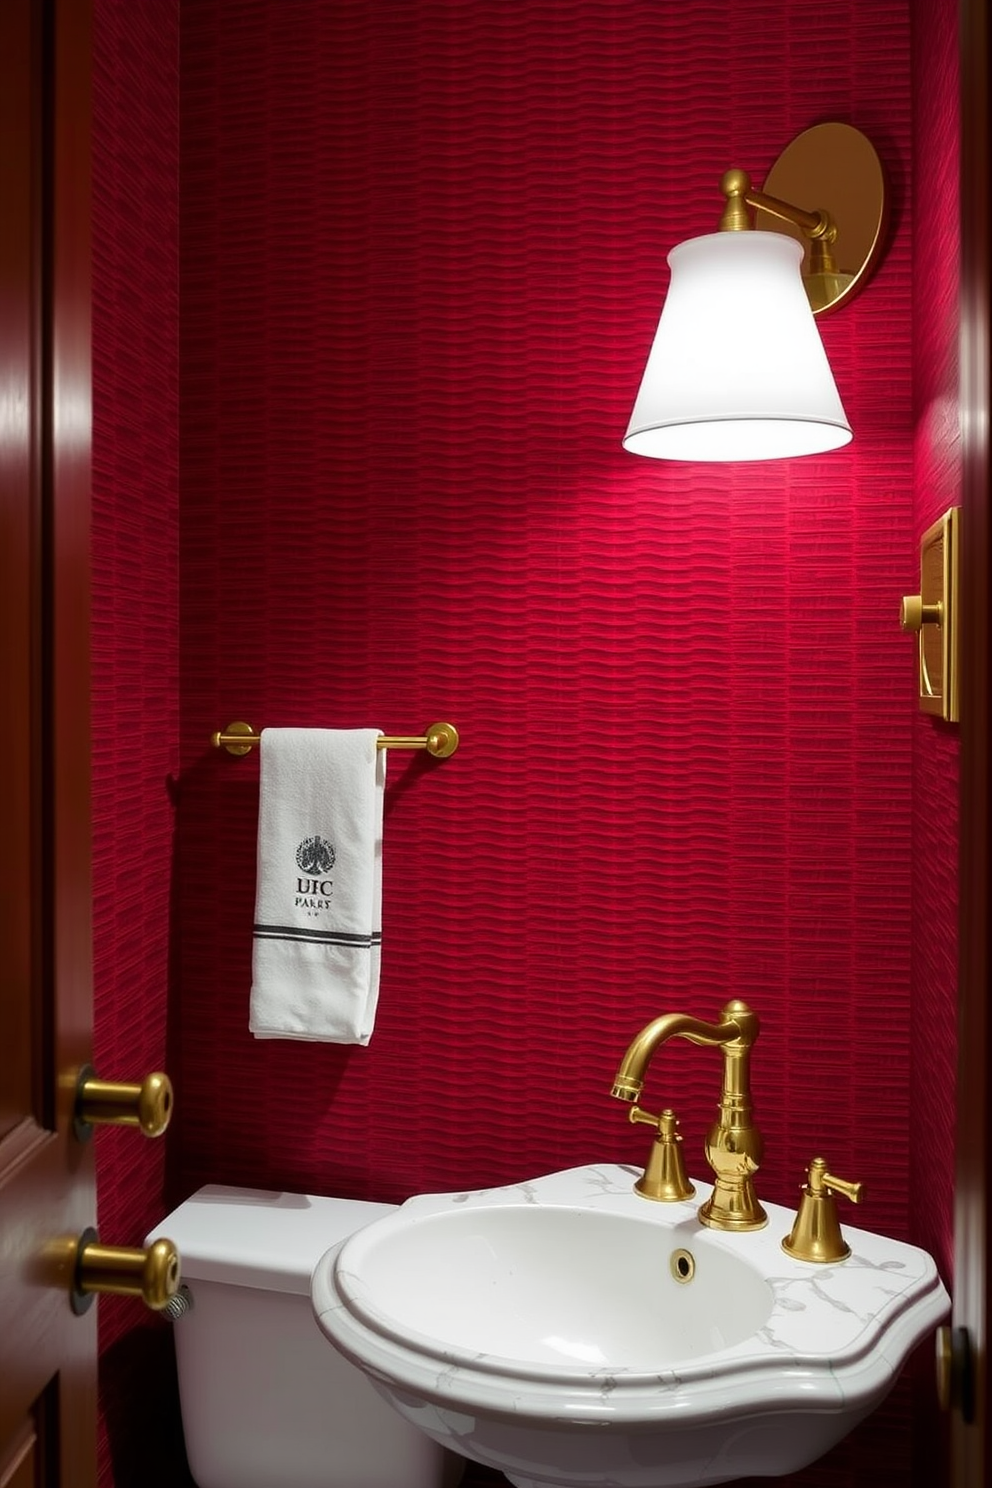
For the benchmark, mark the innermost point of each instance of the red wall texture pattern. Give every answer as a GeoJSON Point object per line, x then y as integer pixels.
{"type": "Point", "coordinates": [135, 655]}
{"type": "Point", "coordinates": [935, 745]}
{"type": "Point", "coordinates": [422, 255]}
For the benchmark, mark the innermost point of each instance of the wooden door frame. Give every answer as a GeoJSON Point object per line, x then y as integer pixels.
{"type": "Point", "coordinates": [69, 560]}
{"type": "Point", "coordinates": [970, 1444]}
{"type": "Point", "coordinates": [48, 1368]}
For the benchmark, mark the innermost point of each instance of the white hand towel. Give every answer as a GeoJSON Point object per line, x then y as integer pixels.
{"type": "Point", "coordinates": [318, 902]}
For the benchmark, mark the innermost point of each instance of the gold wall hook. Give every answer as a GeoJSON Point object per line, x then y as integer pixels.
{"type": "Point", "coordinates": [146, 1105]}
{"type": "Point", "coordinates": [151, 1273]}
{"type": "Point", "coordinates": [440, 740]}
{"type": "Point", "coordinates": [816, 1234]}
{"type": "Point", "coordinates": [835, 170]}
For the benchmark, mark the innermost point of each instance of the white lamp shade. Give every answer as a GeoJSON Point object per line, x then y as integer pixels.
{"type": "Point", "coordinates": [737, 370]}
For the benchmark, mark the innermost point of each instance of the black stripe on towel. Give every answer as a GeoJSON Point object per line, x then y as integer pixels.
{"type": "Point", "coordinates": [321, 937]}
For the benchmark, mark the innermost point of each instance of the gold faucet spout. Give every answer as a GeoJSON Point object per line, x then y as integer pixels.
{"type": "Point", "coordinates": [733, 1144]}
{"type": "Point", "coordinates": [628, 1081]}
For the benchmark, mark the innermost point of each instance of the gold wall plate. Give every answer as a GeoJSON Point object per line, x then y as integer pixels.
{"type": "Point", "coordinates": [832, 168]}
{"type": "Point", "coordinates": [933, 614]}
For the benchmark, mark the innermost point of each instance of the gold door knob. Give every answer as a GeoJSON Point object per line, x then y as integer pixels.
{"type": "Point", "coordinates": [147, 1105]}
{"type": "Point", "coordinates": [153, 1274]}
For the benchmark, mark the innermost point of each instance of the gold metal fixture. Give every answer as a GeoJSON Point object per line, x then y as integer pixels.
{"type": "Point", "coordinates": [664, 1177]}
{"type": "Point", "coordinates": [954, 1358]}
{"type": "Point", "coordinates": [682, 1264]}
{"type": "Point", "coordinates": [733, 1144]}
{"type": "Point", "coordinates": [440, 740]}
{"type": "Point", "coordinates": [833, 169]}
{"type": "Point", "coordinates": [147, 1105]}
{"type": "Point", "coordinates": [815, 1235]}
{"type": "Point", "coordinates": [933, 614]}
{"type": "Point", "coordinates": [153, 1274]}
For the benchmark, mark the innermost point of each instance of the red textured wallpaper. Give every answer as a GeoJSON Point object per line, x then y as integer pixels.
{"type": "Point", "coordinates": [411, 333]}
{"type": "Point", "coordinates": [135, 658]}
{"type": "Point", "coordinates": [421, 265]}
{"type": "Point", "coordinates": [935, 745]}
{"type": "Point", "coordinates": [422, 254]}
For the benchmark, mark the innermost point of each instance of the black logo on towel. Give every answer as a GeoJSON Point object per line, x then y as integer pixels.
{"type": "Point", "coordinates": [315, 855]}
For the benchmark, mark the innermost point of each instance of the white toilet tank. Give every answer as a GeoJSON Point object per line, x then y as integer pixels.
{"type": "Point", "coordinates": [267, 1401]}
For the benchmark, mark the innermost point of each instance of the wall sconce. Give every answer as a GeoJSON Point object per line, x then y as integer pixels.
{"type": "Point", "coordinates": [737, 370]}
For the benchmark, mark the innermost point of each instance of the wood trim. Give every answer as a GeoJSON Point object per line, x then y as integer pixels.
{"type": "Point", "coordinates": [971, 1298]}
{"type": "Point", "coordinates": [20, 581]}
{"type": "Point", "coordinates": [68, 663]}
{"type": "Point", "coordinates": [47, 1353]}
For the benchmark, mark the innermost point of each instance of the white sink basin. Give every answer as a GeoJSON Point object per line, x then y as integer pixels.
{"type": "Point", "coordinates": [567, 1331]}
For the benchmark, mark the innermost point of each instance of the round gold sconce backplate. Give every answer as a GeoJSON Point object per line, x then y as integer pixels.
{"type": "Point", "coordinates": [832, 168]}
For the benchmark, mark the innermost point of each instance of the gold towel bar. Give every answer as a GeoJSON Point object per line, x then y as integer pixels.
{"type": "Point", "coordinates": [440, 740]}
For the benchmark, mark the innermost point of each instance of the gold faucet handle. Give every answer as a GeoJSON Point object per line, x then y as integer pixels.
{"type": "Point", "coordinates": [852, 1191]}
{"type": "Point", "coordinates": [664, 1178]}
{"type": "Point", "coordinates": [816, 1234]}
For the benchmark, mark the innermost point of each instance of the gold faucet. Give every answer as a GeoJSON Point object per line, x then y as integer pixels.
{"type": "Point", "coordinates": [733, 1143]}
{"type": "Point", "coordinates": [816, 1233]}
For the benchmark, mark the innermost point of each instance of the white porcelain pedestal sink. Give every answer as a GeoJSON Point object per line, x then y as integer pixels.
{"type": "Point", "coordinates": [567, 1331]}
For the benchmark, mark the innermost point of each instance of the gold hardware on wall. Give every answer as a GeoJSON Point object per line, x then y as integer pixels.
{"type": "Point", "coordinates": [835, 169]}
{"type": "Point", "coordinates": [816, 1235]}
{"type": "Point", "coordinates": [933, 615]}
{"type": "Point", "coordinates": [153, 1273]}
{"type": "Point", "coordinates": [147, 1106]}
{"type": "Point", "coordinates": [440, 740]}
{"type": "Point", "coordinates": [955, 1365]}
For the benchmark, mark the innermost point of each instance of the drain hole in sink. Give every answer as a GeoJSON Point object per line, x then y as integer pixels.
{"type": "Point", "coordinates": [683, 1266]}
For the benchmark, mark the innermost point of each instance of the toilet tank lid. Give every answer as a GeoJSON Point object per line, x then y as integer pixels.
{"type": "Point", "coordinates": [256, 1238]}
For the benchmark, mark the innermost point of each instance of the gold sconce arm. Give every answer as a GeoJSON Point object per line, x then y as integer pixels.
{"type": "Point", "coordinates": [818, 229]}
{"type": "Point", "coordinates": [836, 167]}
{"type": "Point", "coordinates": [736, 187]}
